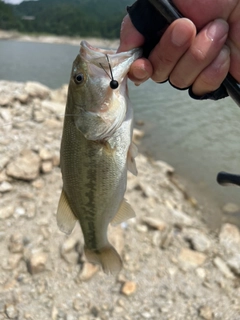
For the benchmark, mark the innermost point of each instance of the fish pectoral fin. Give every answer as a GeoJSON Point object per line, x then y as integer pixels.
{"type": "Point", "coordinates": [109, 147]}
{"type": "Point", "coordinates": [124, 213]}
{"type": "Point", "coordinates": [65, 217]}
{"type": "Point", "coordinates": [131, 163]}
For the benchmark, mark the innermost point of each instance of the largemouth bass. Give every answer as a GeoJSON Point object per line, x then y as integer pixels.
{"type": "Point", "coordinates": [97, 151]}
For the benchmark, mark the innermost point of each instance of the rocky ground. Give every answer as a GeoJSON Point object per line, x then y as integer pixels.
{"type": "Point", "coordinates": [96, 42]}
{"type": "Point", "coordinates": [174, 266]}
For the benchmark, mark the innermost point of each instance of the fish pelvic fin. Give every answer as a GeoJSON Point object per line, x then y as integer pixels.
{"type": "Point", "coordinates": [65, 217]}
{"type": "Point", "coordinates": [107, 257]}
{"type": "Point", "coordinates": [131, 163]}
{"type": "Point", "coordinates": [124, 213]}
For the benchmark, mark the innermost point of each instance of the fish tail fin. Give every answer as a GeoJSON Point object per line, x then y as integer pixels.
{"type": "Point", "coordinates": [107, 257]}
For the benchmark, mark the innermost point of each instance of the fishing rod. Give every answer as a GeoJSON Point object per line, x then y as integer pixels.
{"type": "Point", "coordinates": [162, 17]}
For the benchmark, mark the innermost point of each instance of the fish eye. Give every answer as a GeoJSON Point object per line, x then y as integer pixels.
{"type": "Point", "coordinates": [79, 78]}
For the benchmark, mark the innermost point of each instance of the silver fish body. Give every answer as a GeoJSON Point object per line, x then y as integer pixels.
{"type": "Point", "coordinates": [97, 151]}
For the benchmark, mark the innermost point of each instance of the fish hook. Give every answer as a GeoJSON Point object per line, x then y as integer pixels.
{"type": "Point", "coordinates": [113, 83]}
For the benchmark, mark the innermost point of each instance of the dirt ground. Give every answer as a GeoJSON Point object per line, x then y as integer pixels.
{"type": "Point", "coordinates": [175, 268]}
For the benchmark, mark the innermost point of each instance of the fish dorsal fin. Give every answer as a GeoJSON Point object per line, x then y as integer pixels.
{"type": "Point", "coordinates": [65, 217]}
{"type": "Point", "coordinates": [131, 163]}
{"type": "Point", "coordinates": [124, 213]}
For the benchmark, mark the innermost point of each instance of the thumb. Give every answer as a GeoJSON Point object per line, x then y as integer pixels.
{"type": "Point", "coordinates": [129, 36]}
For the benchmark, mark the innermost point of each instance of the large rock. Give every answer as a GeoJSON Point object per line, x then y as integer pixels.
{"type": "Point", "coordinates": [234, 264]}
{"type": "Point", "coordinates": [229, 238]}
{"type": "Point", "coordinates": [37, 90]}
{"type": "Point", "coordinates": [181, 219]}
{"type": "Point", "coordinates": [199, 241]}
{"type": "Point", "coordinates": [137, 135]}
{"type": "Point", "coordinates": [55, 107]}
{"type": "Point", "coordinates": [45, 154]}
{"type": "Point", "coordinates": [230, 208]}
{"type": "Point", "coordinates": [46, 166]}
{"type": "Point", "coordinates": [164, 167]}
{"type": "Point", "coordinates": [7, 117]}
{"type": "Point", "coordinates": [5, 100]}
{"type": "Point", "coordinates": [206, 313]}
{"type": "Point", "coordinates": [192, 258]}
{"type": "Point", "coordinates": [24, 167]}
{"type": "Point", "coordinates": [6, 212]}
{"type": "Point", "coordinates": [60, 95]}
{"type": "Point", "coordinates": [16, 243]}
{"type": "Point", "coordinates": [88, 271]}
{"type": "Point", "coordinates": [155, 223]}
{"type": "Point", "coordinates": [37, 262]}
{"type": "Point", "coordinates": [11, 311]}
{"type": "Point", "coordinates": [128, 288]}
{"type": "Point", "coordinates": [221, 265]}
{"type": "Point", "coordinates": [5, 187]}
{"type": "Point", "coordinates": [3, 161]}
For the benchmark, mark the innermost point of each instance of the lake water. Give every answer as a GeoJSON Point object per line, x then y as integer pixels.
{"type": "Point", "coordinates": [198, 138]}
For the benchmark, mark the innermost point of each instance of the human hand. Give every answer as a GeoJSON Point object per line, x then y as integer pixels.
{"type": "Point", "coordinates": [203, 60]}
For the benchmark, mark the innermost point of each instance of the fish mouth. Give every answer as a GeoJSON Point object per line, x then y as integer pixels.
{"type": "Point", "coordinates": [94, 55]}
{"type": "Point", "coordinates": [106, 65]}
{"type": "Point", "coordinates": [89, 48]}
{"type": "Point", "coordinates": [98, 55]}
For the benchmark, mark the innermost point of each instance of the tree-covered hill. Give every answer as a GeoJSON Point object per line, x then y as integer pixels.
{"type": "Point", "coordinates": [95, 18]}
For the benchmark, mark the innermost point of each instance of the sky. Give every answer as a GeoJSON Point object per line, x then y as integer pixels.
{"type": "Point", "coordinates": [13, 1]}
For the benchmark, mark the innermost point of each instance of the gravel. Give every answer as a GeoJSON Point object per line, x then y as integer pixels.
{"type": "Point", "coordinates": [175, 267]}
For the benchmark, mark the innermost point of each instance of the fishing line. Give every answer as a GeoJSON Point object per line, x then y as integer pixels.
{"type": "Point", "coordinates": [113, 83]}
{"type": "Point", "coordinates": [105, 70]}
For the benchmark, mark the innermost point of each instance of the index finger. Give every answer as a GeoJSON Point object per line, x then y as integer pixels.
{"type": "Point", "coordinates": [130, 38]}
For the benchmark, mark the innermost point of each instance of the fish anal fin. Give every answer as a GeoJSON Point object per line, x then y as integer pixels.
{"type": "Point", "coordinates": [131, 163]}
{"type": "Point", "coordinates": [107, 257]}
{"type": "Point", "coordinates": [124, 213]}
{"type": "Point", "coordinates": [65, 217]}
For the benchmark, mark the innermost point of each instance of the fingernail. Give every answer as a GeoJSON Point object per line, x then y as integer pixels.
{"type": "Point", "coordinates": [140, 73]}
{"type": "Point", "coordinates": [179, 36]}
{"type": "Point", "coordinates": [217, 29]}
{"type": "Point", "coordinates": [222, 57]}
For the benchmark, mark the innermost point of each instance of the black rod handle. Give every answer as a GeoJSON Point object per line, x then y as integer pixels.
{"type": "Point", "coordinates": [225, 178]}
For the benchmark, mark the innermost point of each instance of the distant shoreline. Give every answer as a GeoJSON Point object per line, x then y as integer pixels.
{"type": "Point", "coordinates": [97, 42]}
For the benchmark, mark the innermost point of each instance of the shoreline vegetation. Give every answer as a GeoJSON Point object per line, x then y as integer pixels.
{"type": "Point", "coordinates": [17, 36]}
{"type": "Point", "coordinates": [175, 267]}
{"type": "Point", "coordinates": [100, 19]}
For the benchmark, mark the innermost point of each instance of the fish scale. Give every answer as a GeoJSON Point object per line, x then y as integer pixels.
{"type": "Point", "coordinates": [96, 152]}
{"type": "Point", "coordinates": [93, 194]}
